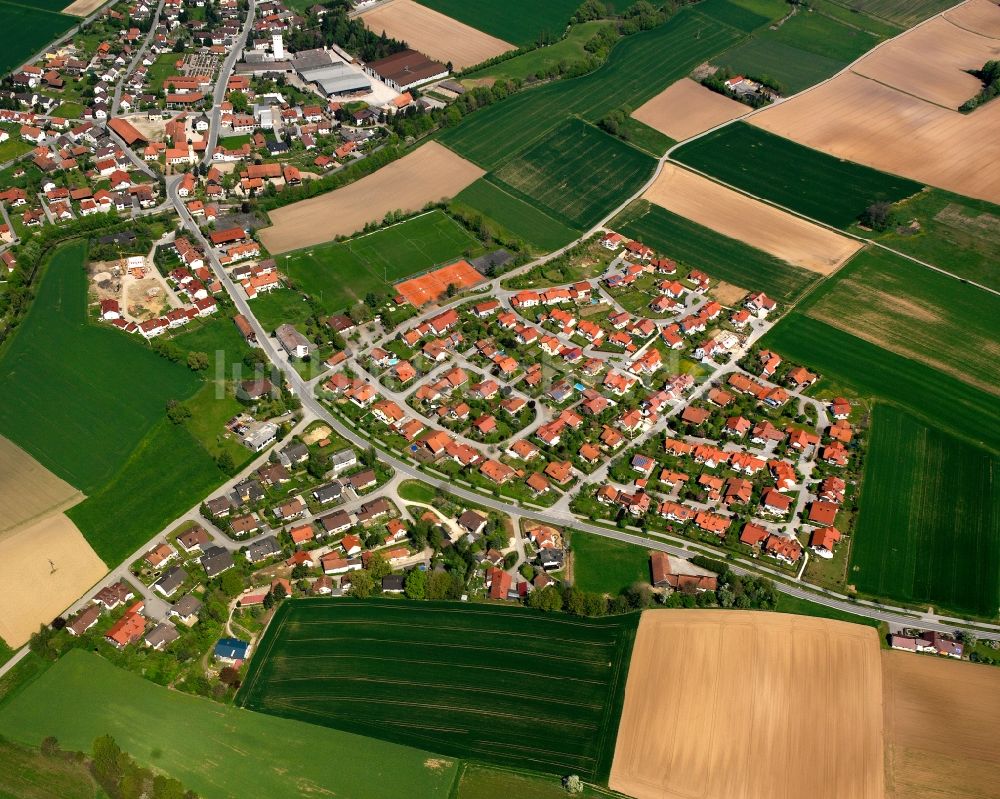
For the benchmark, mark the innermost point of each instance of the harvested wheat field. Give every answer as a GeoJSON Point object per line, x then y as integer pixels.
{"type": "Point", "coordinates": [930, 62]}
{"type": "Point", "coordinates": [756, 223]}
{"type": "Point", "coordinates": [434, 33]}
{"type": "Point", "coordinates": [981, 16]}
{"type": "Point", "coordinates": [82, 8]}
{"type": "Point", "coordinates": [29, 491]}
{"type": "Point", "coordinates": [44, 568]}
{"type": "Point", "coordinates": [728, 705]}
{"type": "Point", "coordinates": [686, 108]}
{"type": "Point", "coordinates": [861, 120]}
{"type": "Point", "coordinates": [428, 174]}
{"type": "Point", "coordinates": [940, 727]}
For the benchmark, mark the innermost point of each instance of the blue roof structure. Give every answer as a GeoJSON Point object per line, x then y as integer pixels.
{"type": "Point", "coordinates": [231, 649]}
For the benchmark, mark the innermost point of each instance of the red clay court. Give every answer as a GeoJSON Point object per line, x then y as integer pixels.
{"type": "Point", "coordinates": [434, 285]}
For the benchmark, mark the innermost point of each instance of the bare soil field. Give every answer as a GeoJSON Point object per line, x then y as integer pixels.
{"type": "Point", "coordinates": [434, 33]}
{"type": "Point", "coordinates": [155, 130]}
{"type": "Point", "coordinates": [44, 567]}
{"type": "Point", "coordinates": [861, 120]}
{"type": "Point", "coordinates": [756, 223]}
{"type": "Point", "coordinates": [428, 174]}
{"type": "Point", "coordinates": [726, 705]}
{"type": "Point", "coordinates": [81, 8]}
{"type": "Point", "coordinates": [728, 294]}
{"type": "Point", "coordinates": [938, 714]}
{"type": "Point", "coordinates": [686, 108]}
{"type": "Point", "coordinates": [930, 62]}
{"type": "Point", "coordinates": [981, 16]}
{"type": "Point", "coordinates": [29, 491]}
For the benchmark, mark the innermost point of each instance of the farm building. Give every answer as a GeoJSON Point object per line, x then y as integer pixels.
{"type": "Point", "coordinates": [406, 70]}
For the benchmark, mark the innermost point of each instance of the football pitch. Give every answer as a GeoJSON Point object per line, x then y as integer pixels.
{"type": "Point", "coordinates": [929, 526]}
{"type": "Point", "coordinates": [340, 274]}
{"type": "Point", "coordinates": [492, 683]}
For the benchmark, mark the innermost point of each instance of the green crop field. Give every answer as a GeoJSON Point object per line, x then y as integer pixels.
{"type": "Point", "coordinates": [901, 12]}
{"type": "Point", "coordinates": [27, 28]}
{"type": "Point", "coordinates": [340, 274]}
{"type": "Point", "coordinates": [744, 15]}
{"type": "Point", "coordinates": [915, 312]}
{"type": "Point", "coordinates": [721, 257]}
{"type": "Point", "coordinates": [639, 67]}
{"type": "Point", "coordinates": [928, 528]}
{"type": "Point", "coordinates": [576, 173]}
{"type": "Point", "coordinates": [956, 233]}
{"type": "Point", "coordinates": [519, 22]}
{"type": "Point", "coordinates": [605, 565]}
{"type": "Point", "coordinates": [78, 396]}
{"type": "Point", "coordinates": [493, 683]}
{"type": "Point", "coordinates": [807, 48]}
{"type": "Point", "coordinates": [871, 371]}
{"type": "Point", "coordinates": [812, 183]}
{"type": "Point", "coordinates": [216, 750]}
{"type": "Point", "coordinates": [517, 217]}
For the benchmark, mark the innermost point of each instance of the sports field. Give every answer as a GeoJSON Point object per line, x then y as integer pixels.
{"type": "Point", "coordinates": [519, 22]}
{"type": "Point", "coordinates": [917, 313]}
{"type": "Point", "coordinates": [814, 184]}
{"type": "Point", "coordinates": [848, 363]}
{"type": "Point", "coordinates": [26, 29]}
{"type": "Point", "coordinates": [807, 48]}
{"type": "Point", "coordinates": [493, 683]}
{"type": "Point", "coordinates": [514, 215]}
{"type": "Point", "coordinates": [698, 247]}
{"type": "Point", "coordinates": [79, 397]}
{"type": "Point", "coordinates": [576, 173]}
{"type": "Point", "coordinates": [929, 525]}
{"type": "Point", "coordinates": [722, 704]}
{"type": "Point", "coordinates": [638, 68]}
{"type": "Point", "coordinates": [340, 274]}
{"type": "Point", "coordinates": [216, 750]}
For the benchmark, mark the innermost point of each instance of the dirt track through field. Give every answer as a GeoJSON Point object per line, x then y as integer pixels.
{"type": "Point", "coordinates": [686, 108]}
{"type": "Point", "coordinates": [428, 174]}
{"type": "Point", "coordinates": [434, 33]}
{"type": "Point", "coordinates": [29, 491]}
{"type": "Point", "coordinates": [940, 722]}
{"type": "Point", "coordinates": [864, 120]}
{"type": "Point", "coordinates": [760, 225]}
{"type": "Point", "coordinates": [931, 61]}
{"type": "Point", "coordinates": [728, 705]}
{"type": "Point", "coordinates": [43, 568]}
{"type": "Point", "coordinates": [82, 8]}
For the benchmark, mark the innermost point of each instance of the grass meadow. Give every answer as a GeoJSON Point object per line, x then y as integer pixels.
{"type": "Point", "coordinates": [213, 749]}
{"type": "Point", "coordinates": [79, 397]}
{"type": "Point", "coordinates": [340, 274]}
{"type": "Point", "coordinates": [482, 782]}
{"type": "Point", "coordinates": [639, 67]}
{"type": "Point", "coordinates": [576, 173]}
{"type": "Point", "coordinates": [958, 234]}
{"type": "Point", "coordinates": [915, 312]}
{"type": "Point", "coordinates": [812, 183]}
{"type": "Point", "coordinates": [519, 22]}
{"type": "Point", "coordinates": [605, 565]}
{"type": "Point", "coordinates": [27, 29]}
{"type": "Point", "coordinates": [928, 529]}
{"type": "Point", "coordinates": [514, 215]}
{"type": "Point", "coordinates": [540, 60]}
{"type": "Point", "coordinates": [492, 683]}
{"type": "Point", "coordinates": [868, 370]}
{"type": "Point", "coordinates": [695, 246]}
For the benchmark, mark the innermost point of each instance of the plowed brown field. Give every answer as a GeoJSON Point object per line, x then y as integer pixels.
{"type": "Point", "coordinates": [686, 108]}
{"type": "Point", "coordinates": [758, 224]}
{"type": "Point", "coordinates": [930, 62]}
{"type": "Point", "coordinates": [727, 705]}
{"type": "Point", "coordinates": [981, 16]}
{"type": "Point", "coordinates": [434, 33]}
{"type": "Point", "coordinates": [940, 727]}
{"type": "Point", "coordinates": [44, 567]}
{"type": "Point", "coordinates": [428, 174]}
